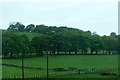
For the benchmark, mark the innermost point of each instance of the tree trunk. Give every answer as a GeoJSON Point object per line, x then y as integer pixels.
{"type": "Point", "coordinates": [11, 55]}
{"type": "Point", "coordinates": [53, 52]}
{"type": "Point", "coordinates": [109, 52]}
{"type": "Point", "coordinates": [86, 52]}
{"type": "Point", "coordinates": [36, 52]}
{"type": "Point", "coordinates": [82, 52]}
{"type": "Point", "coordinates": [50, 53]}
{"type": "Point", "coordinates": [41, 53]}
{"type": "Point", "coordinates": [103, 52]}
{"type": "Point", "coordinates": [4, 56]}
{"type": "Point", "coordinates": [57, 52]}
{"type": "Point", "coordinates": [96, 52]}
{"type": "Point", "coordinates": [91, 51]}
{"type": "Point", "coordinates": [75, 52]}
{"type": "Point", "coordinates": [69, 52]}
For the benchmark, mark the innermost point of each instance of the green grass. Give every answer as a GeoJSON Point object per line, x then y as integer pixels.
{"type": "Point", "coordinates": [29, 35]}
{"type": "Point", "coordinates": [85, 76]}
{"type": "Point", "coordinates": [77, 61]}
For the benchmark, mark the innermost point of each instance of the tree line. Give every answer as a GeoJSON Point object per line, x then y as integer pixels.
{"type": "Point", "coordinates": [56, 40]}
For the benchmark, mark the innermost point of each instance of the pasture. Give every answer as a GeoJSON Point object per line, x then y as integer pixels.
{"type": "Point", "coordinates": [98, 62]}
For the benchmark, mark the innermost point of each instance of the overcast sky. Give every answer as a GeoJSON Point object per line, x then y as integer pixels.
{"type": "Point", "coordinates": [101, 16]}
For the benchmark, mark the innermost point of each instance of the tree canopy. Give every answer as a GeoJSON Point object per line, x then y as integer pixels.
{"type": "Point", "coordinates": [57, 40]}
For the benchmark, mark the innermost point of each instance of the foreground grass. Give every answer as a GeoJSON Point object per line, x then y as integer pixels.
{"type": "Point", "coordinates": [86, 76]}
{"type": "Point", "coordinates": [76, 61]}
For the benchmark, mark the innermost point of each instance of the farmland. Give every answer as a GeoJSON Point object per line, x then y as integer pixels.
{"type": "Point", "coordinates": [99, 62]}
{"type": "Point", "coordinates": [72, 53]}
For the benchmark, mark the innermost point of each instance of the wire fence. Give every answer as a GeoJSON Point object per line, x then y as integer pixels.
{"type": "Point", "coordinates": [58, 72]}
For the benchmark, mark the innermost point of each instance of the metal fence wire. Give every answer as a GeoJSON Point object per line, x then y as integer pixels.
{"type": "Point", "coordinates": [58, 72]}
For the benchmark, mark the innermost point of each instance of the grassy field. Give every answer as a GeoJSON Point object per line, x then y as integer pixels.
{"type": "Point", "coordinates": [76, 61]}
{"type": "Point", "coordinates": [30, 35]}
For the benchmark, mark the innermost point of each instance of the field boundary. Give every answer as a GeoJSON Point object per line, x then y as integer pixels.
{"type": "Point", "coordinates": [63, 72]}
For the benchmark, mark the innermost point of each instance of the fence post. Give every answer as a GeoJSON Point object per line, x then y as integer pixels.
{"type": "Point", "coordinates": [47, 65]}
{"type": "Point", "coordinates": [22, 66]}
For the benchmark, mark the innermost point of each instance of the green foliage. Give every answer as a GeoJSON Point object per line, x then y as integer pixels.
{"type": "Point", "coordinates": [113, 34]}
{"type": "Point", "coordinates": [40, 44]}
{"type": "Point", "coordinates": [96, 43]}
{"type": "Point", "coordinates": [30, 28]}
{"type": "Point", "coordinates": [13, 43]}
{"type": "Point", "coordinates": [110, 44]}
{"type": "Point", "coordinates": [35, 40]}
{"type": "Point", "coordinates": [41, 29]}
{"type": "Point", "coordinates": [17, 26]}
